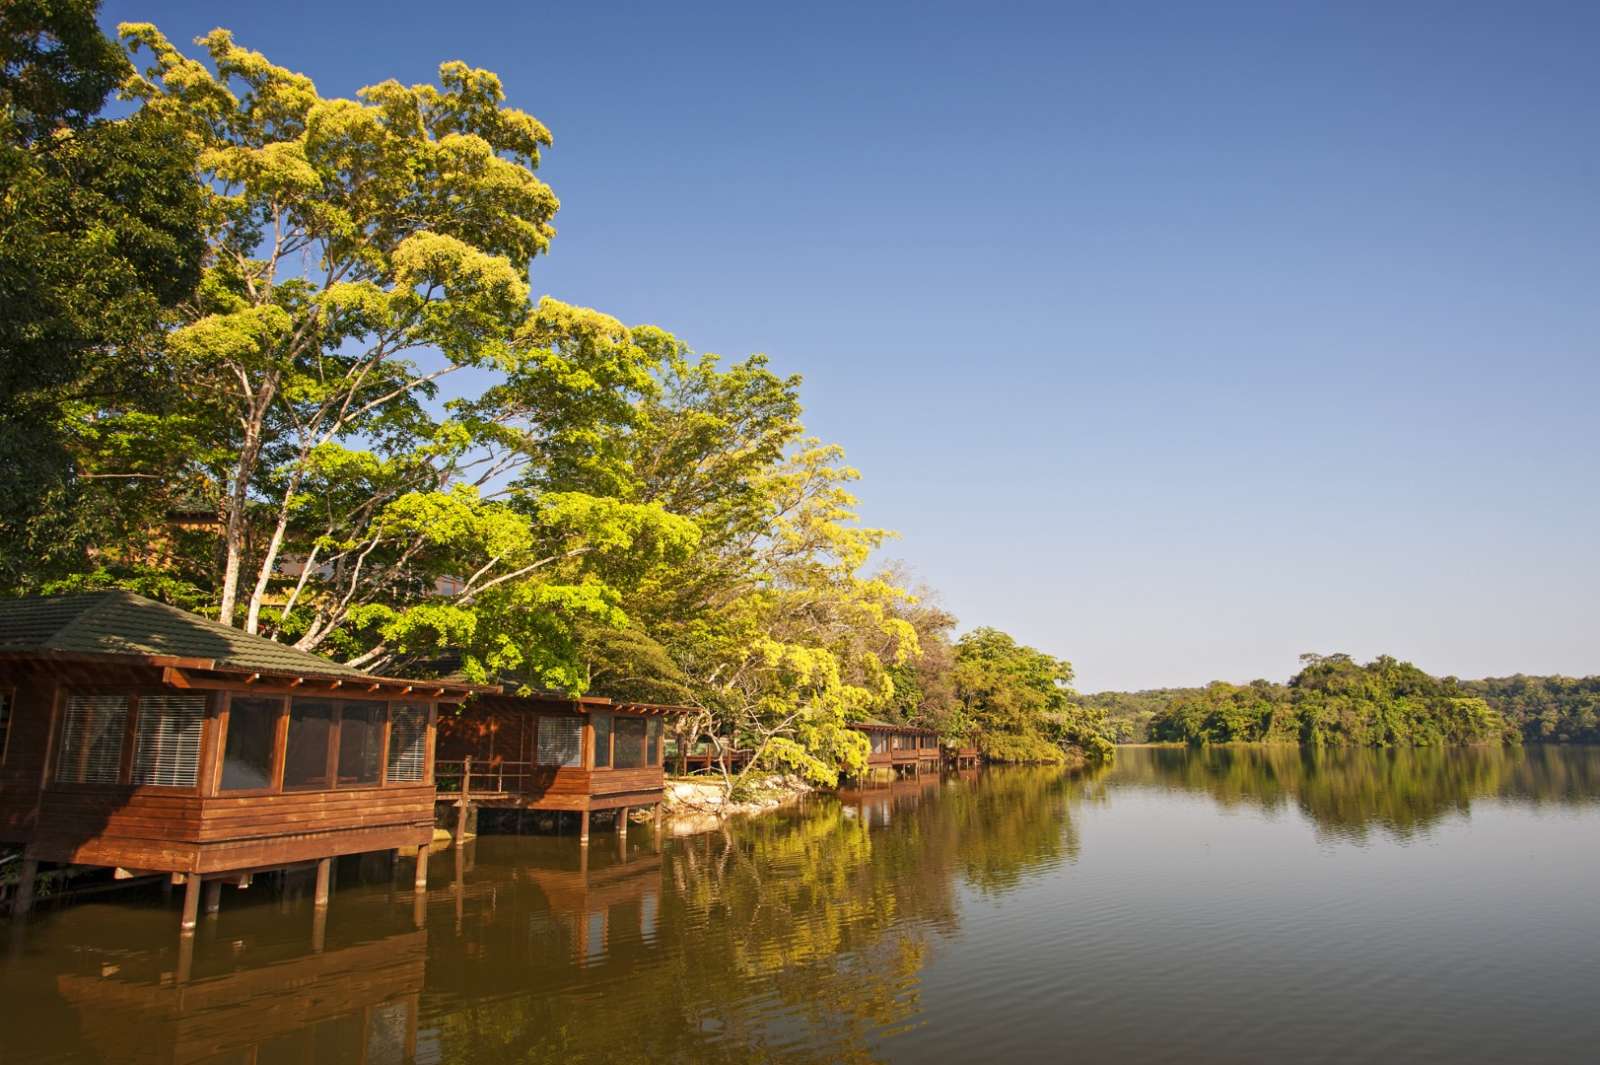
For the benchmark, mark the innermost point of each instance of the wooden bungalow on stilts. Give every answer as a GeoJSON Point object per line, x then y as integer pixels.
{"type": "Point", "coordinates": [582, 755]}
{"type": "Point", "coordinates": [900, 749]}
{"type": "Point", "coordinates": [146, 739]}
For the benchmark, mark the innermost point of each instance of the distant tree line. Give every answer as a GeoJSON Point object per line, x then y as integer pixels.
{"type": "Point", "coordinates": [1545, 709]}
{"type": "Point", "coordinates": [1336, 701]}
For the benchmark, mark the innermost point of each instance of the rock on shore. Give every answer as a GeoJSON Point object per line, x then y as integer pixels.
{"type": "Point", "coordinates": [695, 804]}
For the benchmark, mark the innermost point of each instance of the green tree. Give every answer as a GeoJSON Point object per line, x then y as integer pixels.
{"type": "Point", "coordinates": [1020, 703]}
{"type": "Point", "coordinates": [99, 240]}
{"type": "Point", "coordinates": [356, 252]}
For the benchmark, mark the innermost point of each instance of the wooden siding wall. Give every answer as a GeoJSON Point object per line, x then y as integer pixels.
{"type": "Point", "coordinates": [27, 752]}
{"type": "Point", "coordinates": [145, 829]}
{"type": "Point", "coordinates": [176, 829]}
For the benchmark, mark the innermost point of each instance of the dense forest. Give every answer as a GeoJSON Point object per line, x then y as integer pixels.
{"type": "Point", "coordinates": [1545, 709]}
{"type": "Point", "coordinates": [232, 316]}
{"type": "Point", "coordinates": [1333, 700]}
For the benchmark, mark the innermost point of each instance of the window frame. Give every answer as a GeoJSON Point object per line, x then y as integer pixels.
{"type": "Point", "coordinates": [594, 740]}
{"type": "Point", "coordinates": [585, 742]}
{"type": "Point", "coordinates": [280, 727]}
{"type": "Point", "coordinates": [130, 738]}
{"type": "Point", "coordinates": [644, 741]}
{"type": "Point", "coordinates": [214, 739]}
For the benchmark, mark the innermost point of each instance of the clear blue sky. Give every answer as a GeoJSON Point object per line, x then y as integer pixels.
{"type": "Point", "coordinates": [1177, 339]}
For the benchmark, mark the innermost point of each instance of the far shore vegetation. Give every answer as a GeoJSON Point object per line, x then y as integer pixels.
{"type": "Point", "coordinates": [1385, 703]}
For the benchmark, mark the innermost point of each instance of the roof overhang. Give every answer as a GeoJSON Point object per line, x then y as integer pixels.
{"type": "Point", "coordinates": [584, 704]}
{"type": "Point", "coordinates": [211, 676]}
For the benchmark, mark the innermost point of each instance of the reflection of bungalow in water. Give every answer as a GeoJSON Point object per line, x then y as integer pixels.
{"type": "Point", "coordinates": [357, 1003]}
{"type": "Point", "coordinates": [586, 903]}
{"type": "Point", "coordinates": [141, 737]}
{"type": "Point", "coordinates": [542, 752]}
{"type": "Point", "coordinates": [602, 905]}
{"type": "Point", "coordinates": [875, 803]}
{"type": "Point", "coordinates": [900, 748]}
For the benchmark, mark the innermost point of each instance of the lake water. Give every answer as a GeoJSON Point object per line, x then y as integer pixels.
{"type": "Point", "coordinates": [1235, 905]}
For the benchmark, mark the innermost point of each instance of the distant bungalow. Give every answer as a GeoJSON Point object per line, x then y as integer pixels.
{"type": "Point", "coordinates": [140, 737]}
{"type": "Point", "coordinates": [900, 749]}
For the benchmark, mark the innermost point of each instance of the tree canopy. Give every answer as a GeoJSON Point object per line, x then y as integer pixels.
{"type": "Point", "coordinates": [278, 358]}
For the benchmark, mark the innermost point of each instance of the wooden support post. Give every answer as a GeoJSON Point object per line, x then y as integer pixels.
{"type": "Point", "coordinates": [622, 823]}
{"type": "Point", "coordinates": [421, 883]}
{"type": "Point", "coordinates": [324, 875]}
{"type": "Point", "coordinates": [185, 957]}
{"type": "Point", "coordinates": [24, 900]}
{"type": "Point", "coordinates": [583, 828]}
{"type": "Point", "coordinates": [213, 897]}
{"type": "Point", "coordinates": [459, 888]}
{"type": "Point", "coordinates": [191, 903]}
{"type": "Point", "coordinates": [319, 929]}
{"type": "Point", "coordinates": [461, 807]}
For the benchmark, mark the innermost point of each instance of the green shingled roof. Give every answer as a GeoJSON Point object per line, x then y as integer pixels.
{"type": "Point", "coordinates": [121, 623]}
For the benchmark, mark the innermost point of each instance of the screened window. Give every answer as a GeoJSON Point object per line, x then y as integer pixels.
{"type": "Point", "coordinates": [561, 741]}
{"type": "Point", "coordinates": [247, 751]}
{"type": "Point", "coordinates": [652, 754]}
{"type": "Point", "coordinates": [166, 748]}
{"type": "Point", "coordinates": [305, 758]}
{"type": "Point", "coordinates": [408, 742]}
{"type": "Point", "coordinates": [91, 739]}
{"type": "Point", "coordinates": [628, 747]}
{"type": "Point", "coordinates": [602, 740]}
{"type": "Point", "coordinates": [360, 743]}
{"type": "Point", "coordinates": [880, 742]}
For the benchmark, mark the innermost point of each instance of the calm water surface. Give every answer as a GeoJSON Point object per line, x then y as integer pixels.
{"type": "Point", "coordinates": [1251, 904]}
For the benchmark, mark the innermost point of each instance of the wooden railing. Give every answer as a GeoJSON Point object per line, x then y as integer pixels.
{"type": "Point", "coordinates": [471, 778]}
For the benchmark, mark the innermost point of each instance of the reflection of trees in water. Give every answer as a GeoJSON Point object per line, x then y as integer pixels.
{"type": "Point", "coordinates": [1348, 791]}
{"type": "Point", "coordinates": [799, 936]}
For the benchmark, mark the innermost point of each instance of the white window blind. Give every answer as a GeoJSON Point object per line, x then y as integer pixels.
{"type": "Point", "coordinates": [91, 739]}
{"type": "Point", "coordinates": [408, 742]}
{"type": "Point", "coordinates": [560, 741]}
{"type": "Point", "coordinates": [166, 747]}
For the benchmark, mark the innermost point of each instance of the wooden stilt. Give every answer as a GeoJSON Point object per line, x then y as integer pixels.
{"type": "Point", "coordinates": [324, 877]}
{"type": "Point", "coordinates": [185, 956]}
{"type": "Point", "coordinates": [24, 899]}
{"type": "Point", "coordinates": [622, 823]}
{"type": "Point", "coordinates": [583, 828]}
{"type": "Point", "coordinates": [462, 803]}
{"type": "Point", "coordinates": [421, 883]}
{"type": "Point", "coordinates": [191, 903]}
{"type": "Point", "coordinates": [213, 897]}
{"type": "Point", "coordinates": [319, 929]}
